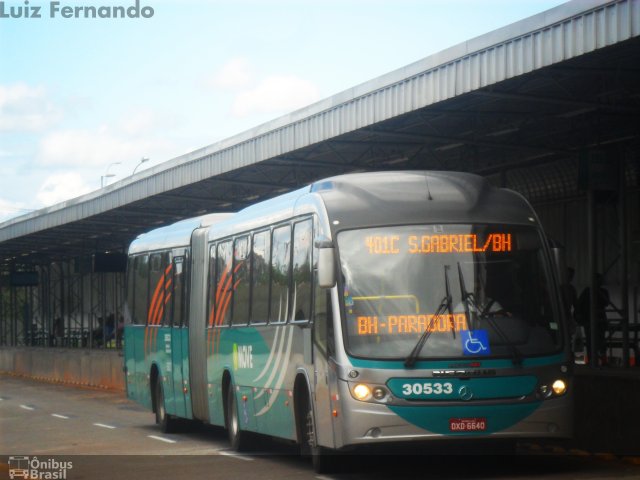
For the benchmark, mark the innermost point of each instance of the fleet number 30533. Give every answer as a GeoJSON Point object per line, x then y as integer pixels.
{"type": "Point", "coordinates": [427, 388]}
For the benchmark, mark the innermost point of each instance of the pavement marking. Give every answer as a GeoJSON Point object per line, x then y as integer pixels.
{"type": "Point", "coordinates": [57, 415]}
{"type": "Point", "coordinates": [235, 455]}
{"type": "Point", "coordinates": [104, 426]}
{"type": "Point", "coordinates": [162, 439]}
{"type": "Point", "coordinates": [27, 407]}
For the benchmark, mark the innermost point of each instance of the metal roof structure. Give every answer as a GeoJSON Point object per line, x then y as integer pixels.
{"type": "Point", "coordinates": [521, 103]}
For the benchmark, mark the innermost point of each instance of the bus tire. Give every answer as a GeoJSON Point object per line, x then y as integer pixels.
{"type": "Point", "coordinates": [168, 423]}
{"type": "Point", "coordinates": [237, 438]}
{"type": "Point", "coordinates": [324, 460]}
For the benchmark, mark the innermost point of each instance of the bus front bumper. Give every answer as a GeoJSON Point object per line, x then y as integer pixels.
{"type": "Point", "coordinates": [364, 423]}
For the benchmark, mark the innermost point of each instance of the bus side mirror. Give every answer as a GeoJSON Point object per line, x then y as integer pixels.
{"type": "Point", "coordinates": [326, 263]}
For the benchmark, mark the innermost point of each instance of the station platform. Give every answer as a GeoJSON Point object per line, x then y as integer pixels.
{"type": "Point", "coordinates": [607, 410]}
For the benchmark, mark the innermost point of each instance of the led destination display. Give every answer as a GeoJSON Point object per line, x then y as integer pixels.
{"type": "Point", "coordinates": [437, 243]}
{"type": "Point", "coordinates": [407, 324]}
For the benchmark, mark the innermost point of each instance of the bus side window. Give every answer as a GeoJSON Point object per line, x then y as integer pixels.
{"type": "Point", "coordinates": [211, 287]}
{"type": "Point", "coordinates": [186, 287]}
{"type": "Point", "coordinates": [323, 322]}
{"type": "Point", "coordinates": [280, 273]}
{"type": "Point", "coordinates": [141, 289]}
{"type": "Point", "coordinates": [131, 292]}
{"type": "Point", "coordinates": [241, 284]}
{"type": "Point", "coordinates": [260, 261]}
{"type": "Point", "coordinates": [224, 286]}
{"type": "Point", "coordinates": [178, 292]}
{"type": "Point", "coordinates": [302, 272]}
{"type": "Point", "coordinates": [155, 315]}
{"type": "Point", "coordinates": [165, 308]}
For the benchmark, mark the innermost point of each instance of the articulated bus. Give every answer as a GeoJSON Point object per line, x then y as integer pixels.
{"type": "Point", "coordinates": [365, 309]}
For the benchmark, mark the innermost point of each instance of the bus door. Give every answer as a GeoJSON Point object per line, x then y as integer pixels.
{"type": "Point", "coordinates": [159, 319]}
{"type": "Point", "coordinates": [179, 337]}
{"type": "Point", "coordinates": [324, 376]}
{"type": "Point", "coordinates": [136, 329]}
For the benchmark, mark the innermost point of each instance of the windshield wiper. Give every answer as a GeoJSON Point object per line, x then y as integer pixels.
{"type": "Point", "coordinates": [448, 298]}
{"type": "Point", "coordinates": [516, 356]}
{"type": "Point", "coordinates": [445, 303]}
{"type": "Point", "coordinates": [466, 296]}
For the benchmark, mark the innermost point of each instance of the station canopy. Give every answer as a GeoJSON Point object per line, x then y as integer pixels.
{"type": "Point", "coordinates": [522, 105]}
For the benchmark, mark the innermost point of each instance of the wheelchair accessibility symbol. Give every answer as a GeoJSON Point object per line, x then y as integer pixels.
{"type": "Point", "coordinates": [475, 342]}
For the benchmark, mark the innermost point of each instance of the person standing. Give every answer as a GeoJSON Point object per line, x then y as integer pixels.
{"type": "Point", "coordinates": [570, 298]}
{"type": "Point", "coordinates": [570, 294]}
{"type": "Point", "coordinates": [583, 317]}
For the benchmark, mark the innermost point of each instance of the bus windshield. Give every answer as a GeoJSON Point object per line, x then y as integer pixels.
{"type": "Point", "coordinates": [447, 291]}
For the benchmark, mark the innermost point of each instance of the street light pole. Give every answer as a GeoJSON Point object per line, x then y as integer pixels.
{"type": "Point", "coordinates": [102, 177]}
{"type": "Point", "coordinates": [107, 174]}
{"type": "Point", "coordinates": [142, 160]}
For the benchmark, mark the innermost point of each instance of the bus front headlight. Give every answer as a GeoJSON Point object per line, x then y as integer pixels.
{"type": "Point", "coordinates": [361, 392]}
{"type": "Point", "coordinates": [559, 387]}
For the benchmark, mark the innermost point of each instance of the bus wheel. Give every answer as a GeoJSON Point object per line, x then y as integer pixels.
{"type": "Point", "coordinates": [324, 460]}
{"type": "Point", "coordinates": [167, 422]}
{"type": "Point", "coordinates": [237, 438]}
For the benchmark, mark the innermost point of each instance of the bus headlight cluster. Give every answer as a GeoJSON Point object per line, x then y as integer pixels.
{"type": "Point", "coordinates": [557, 388]}
{"type": "Point", "coordinates": [369, 393]}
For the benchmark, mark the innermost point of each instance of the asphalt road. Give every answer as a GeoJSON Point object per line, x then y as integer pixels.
{"type": "Point", "coordinates": [106, 436]}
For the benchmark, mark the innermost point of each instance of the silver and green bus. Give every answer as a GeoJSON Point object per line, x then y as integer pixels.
{"type": "Point", "coordinates": [363, 310]}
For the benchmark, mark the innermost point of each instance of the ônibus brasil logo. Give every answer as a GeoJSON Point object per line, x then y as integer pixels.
{"type": "Point", "coordinates": [33, 468]}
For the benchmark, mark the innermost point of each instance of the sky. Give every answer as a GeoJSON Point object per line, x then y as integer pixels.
{"type": "Point", "coordinates": [84, 100]}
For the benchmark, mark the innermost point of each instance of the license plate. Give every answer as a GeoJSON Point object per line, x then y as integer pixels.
{"type": "Point", "coordinates": [467, 424]}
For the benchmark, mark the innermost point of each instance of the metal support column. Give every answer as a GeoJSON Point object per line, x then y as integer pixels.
{"type": "Point", "coordinates": [91, 312]}
{"type": "Point", "coordinates": [43, 298]}
{"type": "Point", "coordinates": [32, 327]}
{"type": "Point", "coordinates": [3, 318]}
{"type": "Point", "coordinates": [103, 308]}
{"type": "Point", "coordinates": [66, 321]}
{"type": "Point", "coordinates": [57, 303]}
{"type": "Point", "coordinates": [13, 317]}
{"type": "Point", "coordinates": [593, 288]}
{"type": "Point", "coordinates": [624, 280]}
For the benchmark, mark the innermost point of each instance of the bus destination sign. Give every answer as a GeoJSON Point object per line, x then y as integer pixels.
{"type": "Point", "coordinates": [438, 243]}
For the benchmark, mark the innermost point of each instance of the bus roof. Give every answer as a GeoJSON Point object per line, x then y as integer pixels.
{"type": "Point", "coordinates": [358, 200]}
{"type": "Point", "coordinates": [174, 235]}
{"type": "Point", "coordinates": [410, 197]}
